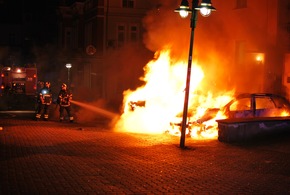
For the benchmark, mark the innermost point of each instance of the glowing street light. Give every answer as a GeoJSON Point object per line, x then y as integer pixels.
{"type": "Point", "coordinates": [205, 9]}
{"type": "Point", "coordinates": [68, 66]}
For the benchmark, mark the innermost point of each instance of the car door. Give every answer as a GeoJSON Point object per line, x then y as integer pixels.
{"type": "Point", "coordinates": [264, 106]}
{"type": "Point", "coordinates": [240, 108]}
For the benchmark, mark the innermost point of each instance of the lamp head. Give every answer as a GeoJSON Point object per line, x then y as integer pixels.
{"type": "Point", "coordinates": [205, 8]}
{"type": "Point", "coordinates": [183, 9]}
{"type": "Point", "coordinates": [68, 66]}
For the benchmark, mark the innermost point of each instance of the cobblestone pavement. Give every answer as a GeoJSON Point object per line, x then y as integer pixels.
{"type": "Point", "coordinates": [48, 157]}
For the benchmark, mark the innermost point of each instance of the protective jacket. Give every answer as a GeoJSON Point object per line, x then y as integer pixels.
{"type": "Point", "coordinates": [64, 98]}
{"type": "Point", "coordinates": [45, 96]}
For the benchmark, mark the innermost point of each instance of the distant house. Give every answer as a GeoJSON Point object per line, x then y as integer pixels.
{"type": "Point", "coordinates": [96, 36]}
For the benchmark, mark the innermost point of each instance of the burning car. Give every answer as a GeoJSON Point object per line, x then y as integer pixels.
{"type": "Point", "coordinates": [156, 106]}
{"type": "Point", "coordinates": [241, 106]}
{"type": "Point", "coordinates": [251, 105]}
{"type": "Point", "coordinates": [245, 105]}
{"type": "Point", "coordinates": [133, 104]}
{"type": "Point", "coordinates": [257, 105]}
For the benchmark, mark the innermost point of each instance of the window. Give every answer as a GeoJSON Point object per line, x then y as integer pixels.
{"type": "Point", "coordinates": [88, 34]}
{"type": "Point", "coordinates": [121, 35]}
{"type": "Point", "coordinates": [241, 4]}
{"type": "Point", "coordinates": [88, 5]}
{"type": "Point", "coordinates": [128, 3]}
{"type": "Point", "coordinates": [241, 104]}
{"type": "Point", "coordinates": [240, 52]}
{"type": "Point", "coordinates": [28, 17]}
{"type": "Point", "coordinates": [134, 33]}
{"type": "Point", "coordinates": [80, 75]}
{"type": "Point", "coordinates": [264, 102]}
{"type": "Point", "coordinates": [288, 27]}
{"type": "Point", "coordinates": [68, 38]}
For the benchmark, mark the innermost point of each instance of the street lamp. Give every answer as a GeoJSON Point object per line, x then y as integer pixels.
{"type": "Point", "coordinates": [205, 9]}
{"type": "Point", "coordinates": [68, 66]}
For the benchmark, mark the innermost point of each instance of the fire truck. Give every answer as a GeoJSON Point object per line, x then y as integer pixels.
{"type": "Point", "coordinates": [18, 87]}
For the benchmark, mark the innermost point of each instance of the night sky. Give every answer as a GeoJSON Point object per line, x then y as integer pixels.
{"type": "Point", "coordinates": [11, 11]}
{"type": "Point", "coordinates": [38, 18]}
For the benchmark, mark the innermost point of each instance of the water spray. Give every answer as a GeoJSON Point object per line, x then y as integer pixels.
{"type": "Point", "coordinates": [101, 111]}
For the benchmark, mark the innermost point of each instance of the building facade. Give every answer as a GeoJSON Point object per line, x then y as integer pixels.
{"type": "Point", "coordinates": [92, 33]}
{"type": "Point", "coordinates": [259, 35]}
{"type": "Point", "coordinates": [256, 34]}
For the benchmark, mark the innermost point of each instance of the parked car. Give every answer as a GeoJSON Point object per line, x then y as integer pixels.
{"type": "Point", "coordinates": [257, 105]}
{"type": "Point", "coordinates": [247, 105]}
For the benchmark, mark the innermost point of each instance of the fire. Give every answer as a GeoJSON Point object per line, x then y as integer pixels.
{"type": "Point", "coordinates": [284, 113]}
{"type": "Point", "coordinates": [157, 106]}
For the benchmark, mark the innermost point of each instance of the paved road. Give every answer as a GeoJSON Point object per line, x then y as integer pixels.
{"type": "Point", "coordinates": [48, 157]}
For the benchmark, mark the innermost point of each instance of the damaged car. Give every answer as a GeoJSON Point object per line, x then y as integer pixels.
{"type": "Point", "coordinates": [257, 105]}
{"type": "Point", "coordinates": [246, 105]}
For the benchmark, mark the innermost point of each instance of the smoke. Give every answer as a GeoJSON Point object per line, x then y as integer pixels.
{"type": "Point", "coordinates": [224, 42]}
{"type": "Point", "coordinates": [166, 29]}
{"type": "Point", "coordinates": [215, 50]}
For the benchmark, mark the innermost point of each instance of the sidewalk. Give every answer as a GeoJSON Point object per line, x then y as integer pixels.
{"type": "Point", "coordinates": [46, 157]}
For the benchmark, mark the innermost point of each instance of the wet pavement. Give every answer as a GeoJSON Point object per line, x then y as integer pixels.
{"type": "Point", "coordinates": [48, 157]}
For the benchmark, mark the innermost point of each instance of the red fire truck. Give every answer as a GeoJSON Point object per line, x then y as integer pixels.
{"type": "Point", "coordinates": [18, 86]}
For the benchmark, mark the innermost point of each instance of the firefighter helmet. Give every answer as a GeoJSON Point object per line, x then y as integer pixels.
{"type": "Point", "coordinates": [47, 83]}
{"type": "Point", "coordinates": [63, 85]}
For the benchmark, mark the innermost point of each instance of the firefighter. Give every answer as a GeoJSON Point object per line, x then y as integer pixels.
{"type": "Point", "coordinates": [44, 101]}
{"type": "Point", "coordinates": [64, 101]}
{"type": "Point", "coordinates": [40, 85]}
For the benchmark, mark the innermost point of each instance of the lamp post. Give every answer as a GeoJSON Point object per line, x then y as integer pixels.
{"type": "Point", "coordinates": [68, 66]}
{"type": "Point", "coordinates": [205, 9]}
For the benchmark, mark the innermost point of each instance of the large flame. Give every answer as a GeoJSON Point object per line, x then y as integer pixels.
{"type": "Point", "coordinates": [157, 106]}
